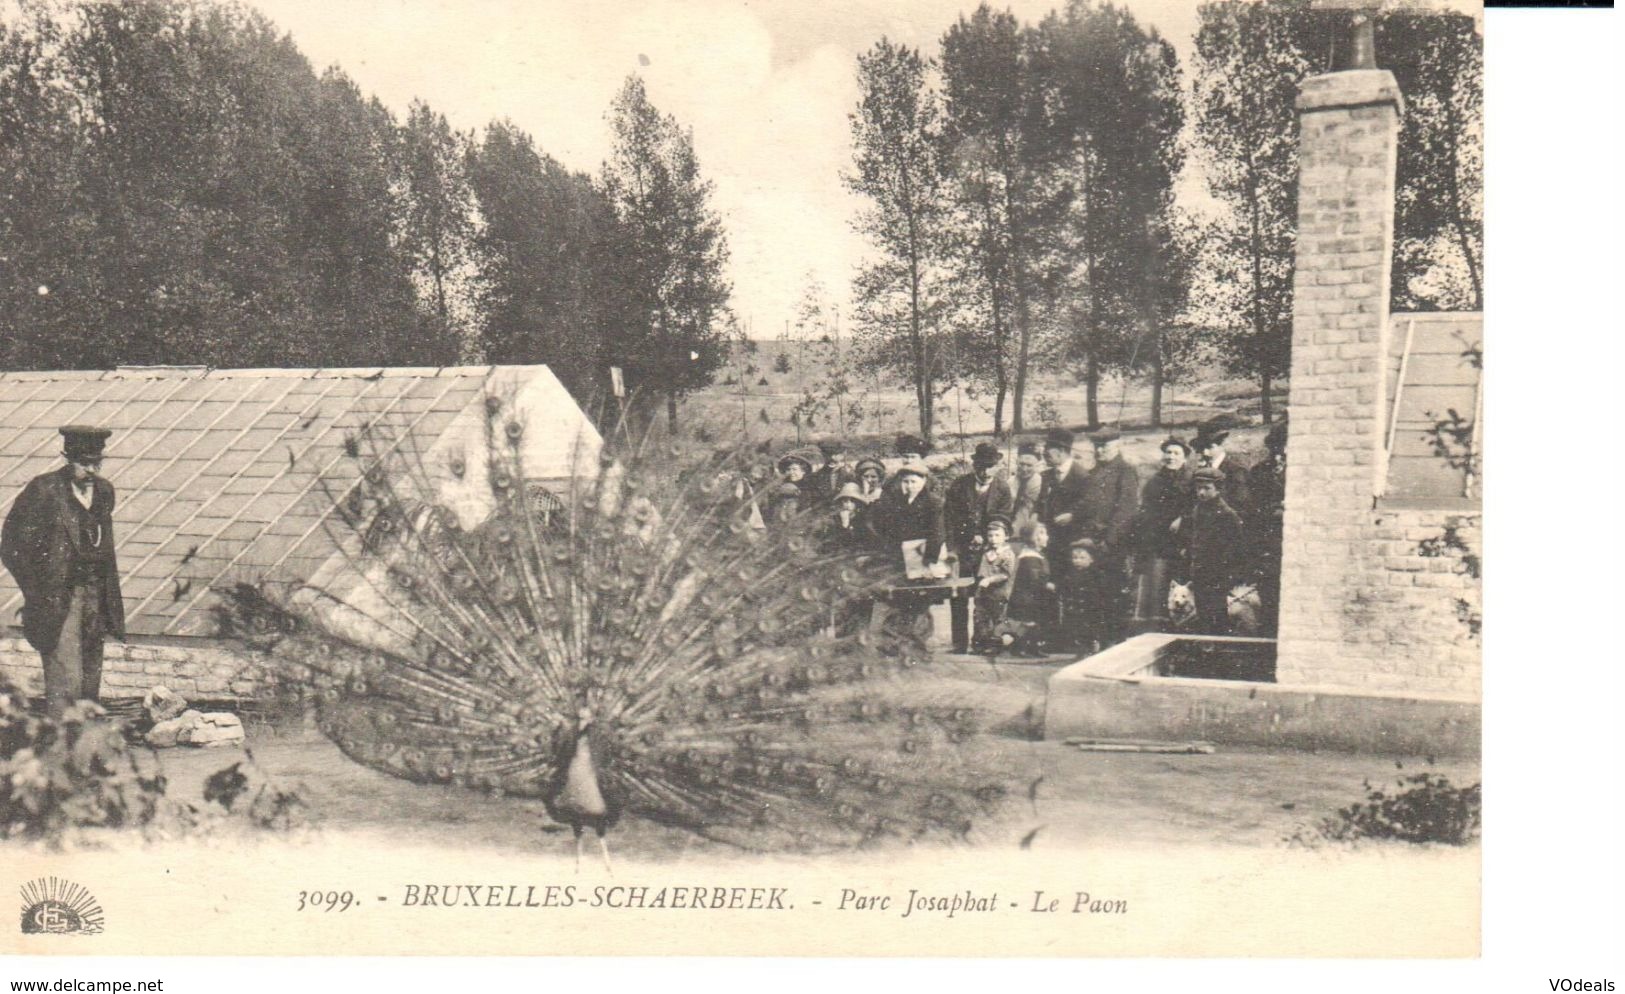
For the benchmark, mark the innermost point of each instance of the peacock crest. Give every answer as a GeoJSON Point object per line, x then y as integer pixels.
{"type": "Point", "coordinates": [639, 616]}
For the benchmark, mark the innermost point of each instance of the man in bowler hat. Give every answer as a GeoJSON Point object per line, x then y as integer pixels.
{"type": "Point", "coordinates": [1208, 446]}
{"type": "Point", "coordinates": [1059, 511]}
{"type": "Point", "coordinates": [58, 544]}
{"type": "Point", "coordinates": [1107, 506]}
{"type": "Point", "coordinates": [969, 503]}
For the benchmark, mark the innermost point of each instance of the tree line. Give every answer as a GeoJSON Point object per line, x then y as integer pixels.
{"type": "Point", "coordinates": [1020, 191]}
{"type": "Point", "coordinates": [178, 185]}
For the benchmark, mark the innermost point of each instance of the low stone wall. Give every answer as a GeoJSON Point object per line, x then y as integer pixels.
{"type": "Point", "coordinates": [197, 669]}
{"type": "Point", "coordinates": [1116, 694]}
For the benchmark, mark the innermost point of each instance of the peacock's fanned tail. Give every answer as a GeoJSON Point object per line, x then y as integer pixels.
{"type": "Point", "coordinates": [700, 644]}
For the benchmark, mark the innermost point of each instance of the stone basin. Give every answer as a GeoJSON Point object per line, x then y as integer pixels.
{"type": "Point", "coordinates": [1223, 690]}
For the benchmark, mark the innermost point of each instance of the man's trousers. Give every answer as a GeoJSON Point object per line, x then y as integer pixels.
{"type": "Point", "coordinates": [73, 670]}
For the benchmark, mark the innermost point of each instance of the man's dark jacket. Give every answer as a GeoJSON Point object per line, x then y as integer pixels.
{"type": "Point", "coordinates": [1214, 543]}
{"type": "Point", "coordinates": [1108, 503]}
{"type": "Point", "coordinates": [1165, 499]}
{"type": "Point", "coordinates": [1266, 500]}
{"type": "Point", "coordinates": [965, 512]}
{"type": "Point", "coordinates": [1237, 486]}
{"type": "Point", "coordinates": [895, 521]}
{"type": "Point", "coordinates": [1062, 495]}
{"type": "Point", "coordinates": [38, 545]}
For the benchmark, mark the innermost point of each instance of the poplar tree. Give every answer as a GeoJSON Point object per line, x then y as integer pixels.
{"type": "Point", "coordinates": [547, 286]}
{"type": "Point", "coordinates": [897, 170]}
{"type": "Point", "coordinates": [1116, 90]}
{"type": "Point", "coordinates": [440, 223]}
{"type": "Point", "coordinates": [670, 251]}
{"type": "Point", "coordinates": [1249, 66]}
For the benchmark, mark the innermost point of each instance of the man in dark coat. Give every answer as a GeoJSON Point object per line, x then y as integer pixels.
{"type": "Point", "coordinates": [1267, 500]}
{"type": "Point", "coordinates": [911, 512]}
{"type": "Point", "coordinates": [1208, 445]}
{"type": "Point", "coordinates": [1028, 485]}
{"type": "Point", "coordinates": [969, 503]}
{"type": "Point", "coordinates": [907, 514]}
{"type": "Point", "coordinates": [58, 544]}
{"type": "Point", "coordinates": [1213, 540]}
{"type": "Point", "coordinates": [1058, 511]}
{"type": "Point", "coordinates": [1155, 542]}
{"type": "Point", "coordinates": [1107, 506]}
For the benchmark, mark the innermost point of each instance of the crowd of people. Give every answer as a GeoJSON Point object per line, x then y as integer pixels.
{"type": "Point", "coordinates": [1056, 556]}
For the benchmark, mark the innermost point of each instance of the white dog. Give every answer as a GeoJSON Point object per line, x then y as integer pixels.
{"type": "Point", "coordinates": [1243, 606]}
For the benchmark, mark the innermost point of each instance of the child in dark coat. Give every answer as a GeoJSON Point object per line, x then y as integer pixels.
{"type": "Point", "coordinates": [1030, 613]}
{"type": "Point", "coordinates": [1214, 550]}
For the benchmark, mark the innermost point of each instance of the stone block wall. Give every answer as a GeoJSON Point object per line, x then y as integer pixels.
{"type": "Point", "coordinates": [1385, 616]}
{"type": "Point", "coordinates": [205, 670]}
{"type": "Point", "coordinates": [1361, 605]}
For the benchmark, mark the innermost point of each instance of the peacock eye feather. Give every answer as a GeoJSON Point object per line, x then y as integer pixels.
{"type": "Point", "coordinates": [678, 616]}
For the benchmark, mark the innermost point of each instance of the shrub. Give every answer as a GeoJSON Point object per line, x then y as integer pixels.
{"type": "Point", "coordinates": [274, 807]}
{"type": "Point", "coordinates": [58, 776]}
{"type": "Point", "coordinates": [1044, 411]}
{"type": "Point", "coordinates": [1426, 808]}
{"type": "Point", "coordinates": [73, 772]}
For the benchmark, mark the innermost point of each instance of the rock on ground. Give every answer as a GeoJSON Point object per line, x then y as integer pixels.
{"type": "Point", "coordinates": [162, 704]}
{"type": "Point", "coordinates": [195, 728]}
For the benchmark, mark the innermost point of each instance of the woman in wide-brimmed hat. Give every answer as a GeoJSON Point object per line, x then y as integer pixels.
{"type": "Point", "coordinates": [795, 467]}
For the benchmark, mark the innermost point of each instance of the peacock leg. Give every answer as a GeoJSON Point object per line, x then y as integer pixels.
{"type": "Point", "coordinates": [578, 847]}
{"type": "Point", "coordinates": [603, 847]}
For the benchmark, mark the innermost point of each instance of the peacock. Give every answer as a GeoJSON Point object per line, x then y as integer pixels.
{"type": "Point", "coordinates": [636, 643]}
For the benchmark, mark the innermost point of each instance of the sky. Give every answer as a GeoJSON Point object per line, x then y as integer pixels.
{"type": "Point", "coordinates": [766, 86]}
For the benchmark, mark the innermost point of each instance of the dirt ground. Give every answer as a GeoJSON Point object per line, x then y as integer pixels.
{"type": "Point", "coordinates": [1235, 798]}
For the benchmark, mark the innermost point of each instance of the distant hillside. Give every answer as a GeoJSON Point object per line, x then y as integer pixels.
{"type": "Point", "coordinates": [759, 389]}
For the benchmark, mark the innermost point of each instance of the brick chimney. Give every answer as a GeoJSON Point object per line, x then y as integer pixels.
{"type": "Point", "coordinates": [1334, 590]}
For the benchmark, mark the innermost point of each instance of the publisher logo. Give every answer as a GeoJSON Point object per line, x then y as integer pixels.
{"type": "Point", "coordinates": [52, 905]}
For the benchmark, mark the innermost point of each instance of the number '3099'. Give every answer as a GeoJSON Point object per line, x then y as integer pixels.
{"type": "Point", "coordinates": [326, 900]}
